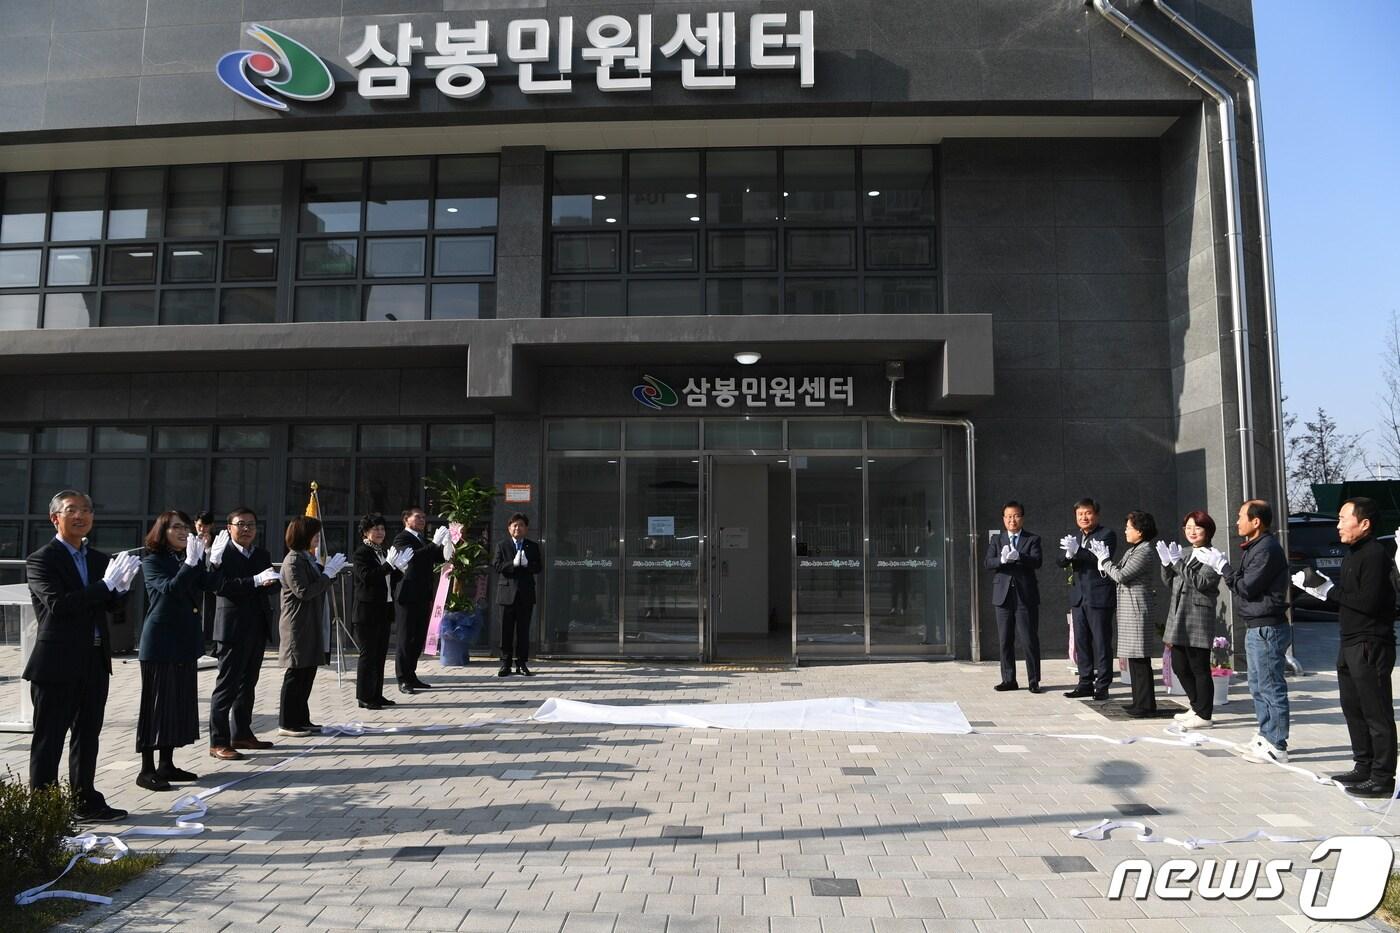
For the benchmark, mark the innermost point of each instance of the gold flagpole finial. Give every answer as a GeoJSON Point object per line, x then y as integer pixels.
{"type": "Point", "coordinates": [314, 486]}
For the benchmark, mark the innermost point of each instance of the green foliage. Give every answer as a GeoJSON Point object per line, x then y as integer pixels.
{"type": "Point", "coordinates": [468, 503]}
{"type": "Point", "coordinates": [33, 823]}
{"type": "Point", "coordinates": [86, 877]}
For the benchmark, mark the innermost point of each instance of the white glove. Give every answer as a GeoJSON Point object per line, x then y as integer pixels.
{"type": "Point", "coordinates": [448, 550]}
{"type": "Point", "coordinates": [1009, 555]}
{"type": "Point", "coordinates": [402, 558]}
{"type": "Point", "coordinates": [1071, 545]}
{"type": "Point", "coordinates": [334, 566]}
{"type": "Point", "coordinates": [120, 571]}
{"type": "Point", "coordinates": [1099, 550]}
{"type": "Point", "coordinates": [442, 535]}
{"type": "Point", "coordinates": [267, 577]}
{"type": "Point", "coordinates": [390, 556]}
{"type": "Point", "coordinates": [1164, 553]}
{"type": "Point", "coordinates": [520, 560]}
{"type": "Point", "coordinates": [1175, 552]}
{"type": "Point", "coordinates": [1320, 591]}
{"type": "Point", "coordinates": [194, 549]}
{"type": "Point", "coordinates": [1213, 558]}
{"type": "Point", "coordinates": [216, 550]}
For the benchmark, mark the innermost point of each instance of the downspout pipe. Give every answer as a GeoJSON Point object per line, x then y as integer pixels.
{"type": "Point", "coordinates": [1225, 108]}
{"type": "Point", "coordinates": [966, 425]}
{"type": "Point", "coordinates": [1261, 184]}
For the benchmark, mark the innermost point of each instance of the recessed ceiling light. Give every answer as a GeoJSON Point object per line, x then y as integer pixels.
{"type": "Point", "coordinates": [188, 252]}
{"type": "Point", "coordinates": [600, 197]}
{"type": "Point", "coordinates": [695, 220]}
{"type": "Point", "coordinates": [747, 357]}
{"type": "Point", "coordinates": [873, 194]}
{"type": "Point", "coordinates": [691, 195]}
{"type": "Point", "coordinates": [140, 255]}
{"type": "Point", "coordinates": [452, 210]}
{"type": "Point", "coordinates": [262, 250]}
{"type": "Point", "coordinates": [611, 220]}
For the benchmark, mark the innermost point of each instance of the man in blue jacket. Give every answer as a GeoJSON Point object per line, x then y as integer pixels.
{"type": "Point", "coordinates": [1259, 582]}
{"type": "Point", "coordinates": [1092, 599]}
{"type": "Point", "coordinates": [1013, 557]}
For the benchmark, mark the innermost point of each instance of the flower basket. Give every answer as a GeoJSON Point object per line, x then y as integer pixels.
{"type": "Point", "coordinates": [456, 633]}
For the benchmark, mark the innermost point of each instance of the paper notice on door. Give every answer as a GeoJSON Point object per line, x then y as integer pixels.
{"type": "Point", "coordinates": [734, 539]}
{"type": "Point", "coordinates": [661, 526]}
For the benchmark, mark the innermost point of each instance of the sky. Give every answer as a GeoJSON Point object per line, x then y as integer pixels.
{"type": "Point", "coordinates": [1329, 76]}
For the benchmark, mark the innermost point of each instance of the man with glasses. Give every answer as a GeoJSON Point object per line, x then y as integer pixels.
{"type": "Point", "coordinates": [243, 620]}
{"type": "Point", "coordinates": [74, 587]}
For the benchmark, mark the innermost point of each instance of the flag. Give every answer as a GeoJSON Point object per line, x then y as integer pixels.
{"type": "Point", "coordinates": [313, 510]}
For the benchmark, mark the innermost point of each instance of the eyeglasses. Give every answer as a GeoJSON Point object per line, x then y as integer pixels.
{"type": "Point", "coordinates": [243, 524]}
{"type": "Point", "coordinates": [76, 510]}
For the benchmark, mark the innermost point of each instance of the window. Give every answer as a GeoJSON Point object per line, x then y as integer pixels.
{"type": "Point", "coordinates": [822, 230]}
{"type": "Point", "coordinates": [128, 246]}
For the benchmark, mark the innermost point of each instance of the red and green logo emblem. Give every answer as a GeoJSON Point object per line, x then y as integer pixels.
{"type": "Point", "coordinates": [655, 394]}
{"type": "Point", "coordinates": [300, 72]}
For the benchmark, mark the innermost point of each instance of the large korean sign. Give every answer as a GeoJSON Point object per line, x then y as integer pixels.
{"type": "Point", "coordinates": [614, 53]}
{"type": "Point", "coordinates": [776, 392]}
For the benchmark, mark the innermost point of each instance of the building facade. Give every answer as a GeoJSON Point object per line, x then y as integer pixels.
{"type": "Point", "coordinates": [661, 272]}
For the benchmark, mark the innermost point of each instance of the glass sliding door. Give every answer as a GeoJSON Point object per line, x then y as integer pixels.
{"type": "Point", "coordinates": [828, 521]}
{"type": "Point", "coordinates": [908, 567]}
{"type": "Point", "coordinates": [661, 609]}
{"type": "Point", "coordinates": [583, 569]}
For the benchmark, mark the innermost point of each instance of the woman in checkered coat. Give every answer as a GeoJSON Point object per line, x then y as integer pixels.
{"type": "Point", "coordinates": [1136, 576]}
{"type": "Point", "coordinates": [1191, 617]}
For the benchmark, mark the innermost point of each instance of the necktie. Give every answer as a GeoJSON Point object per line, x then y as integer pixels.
{"type": "Point", "coordinates": [1014, 539]}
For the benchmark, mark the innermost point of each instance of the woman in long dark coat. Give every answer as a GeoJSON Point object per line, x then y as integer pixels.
{"type": "Point", "coordinates": [172, 639]}
{"type": "Point", "coordinates": [1137, 597]}
{"type": "Point", "coordinates": [304, 610]}
{"type": "Point", "coordinates": [1191, 617]}
{"type": "Point", "coordinates": [375, 573]}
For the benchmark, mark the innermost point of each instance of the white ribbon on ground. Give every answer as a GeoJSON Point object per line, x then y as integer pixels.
{"type": "Point", "coordinates": [835, 714]}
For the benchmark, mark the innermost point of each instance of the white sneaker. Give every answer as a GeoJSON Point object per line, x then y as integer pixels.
{"type": "Point", "coordinates": [1264, 752]}
{"type": "Point", "coordinates": [1183, 715]}
{"type": "Point", "coordinates": [1192, 721]}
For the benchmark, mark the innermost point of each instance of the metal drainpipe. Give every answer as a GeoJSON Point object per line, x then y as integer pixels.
{"type": "Point", "coordinates": [966, 425]}
{"type": "Point", "coordinates": [1251, 81]}
{"type": "Point", "coordinates": [1230, 157]}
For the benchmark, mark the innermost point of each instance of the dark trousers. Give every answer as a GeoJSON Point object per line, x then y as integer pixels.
{"type": "Point", "coordinates": [1018, 618]}
{"type": "Point", "coordinates": [294, 711]}
{"type": "Point", "coordinates": [411, 634]}
{"type": "Point", "coordinates": [1191, 668]}
{"type": "Point", "coordinates": [515, 633]}
{"type": "Point", "coordinates": [372, 632]}
{"type": "Point", "coordinates": [240, 665]}
{"type": "Point", "coordinates": [75, 707]}
{"type": "Point", "coordinates": [1144, 688]}
{"type": "Point", "coordinates": [1093, 646]}
{"type": "Point", "coordinates": [1363, 678]}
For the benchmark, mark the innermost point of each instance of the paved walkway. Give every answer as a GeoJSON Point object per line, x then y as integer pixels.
{"type": "Point", "coordinates": [532, 827]}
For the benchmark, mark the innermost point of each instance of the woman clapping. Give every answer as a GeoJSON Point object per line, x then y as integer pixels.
{"type": "Point", "coordinates": [304, 614]}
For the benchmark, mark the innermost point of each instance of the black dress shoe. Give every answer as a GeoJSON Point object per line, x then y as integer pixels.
{"type": "Point", "coordinates": [407, 688]}
{"type": "Point", "coordinates": [99, 813]}
{"type": "Point", "coordinates": [150, 781]}
{"type": "Point", "coordinates": [503, 672]}
{"type": "Point", "coordinates": [385, 701]}
{"type": "Point", "coordinates": [1007, 685]}
{"type": "Point", "coordinates": [369, 704]}
{"type": "Point", "coordinates": [523, 670]}
{"type": "Point", "coordinates": [1136, 713]}
{"type": "Point", "coordinates": [1352, 777]}
{"type": "Point", "coordinates": [1372, 788]}
{"type": "Point", "coordinates": [1035, 688]}
{"type": "Point", "coordinates": [419, 685]}
{"type": "Point", "coordinates": [176, 776]}
{"type": "Point", "coordinates": [1079, 693]}
{"type": "Point", "coordinates": [1100, 695]}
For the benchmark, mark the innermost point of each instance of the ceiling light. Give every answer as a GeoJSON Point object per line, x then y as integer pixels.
{"type": "Point", "coordinates": [695, 220]}
{"type": "Point", "coordinates": [611, 220]}
{"type": "Point", "coordinates": [140, 255]}
{"type": "Point", "coordinates": [600, 197]}
{"type": "Point", "coordinates": [452, 210]}
{"type": "Point", "coordinates": [873, 194]}
{"type": "Point", "coordinates": [747, 357]}
{"type": "Point", "coordinates": [188, 252]}
{"type": "Point", "coordinates": [262, 250]}
{"type": "Point", "coordinates": [691, 195]}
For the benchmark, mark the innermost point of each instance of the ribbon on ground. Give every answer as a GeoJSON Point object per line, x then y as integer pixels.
{"type": "Point", "coordinates": [836, 714]}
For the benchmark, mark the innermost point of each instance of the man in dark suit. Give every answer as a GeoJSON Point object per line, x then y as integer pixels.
{"type": "Point", "coordinates": [243, 621]}
{"type": "Point", "coordinates": [413, 603]}
{"type": "Point", "coordinates": [1092, 598]}
{"type": "Point", "coordinates": [73, 588]}
{"type": "Point", "coordinates": [1013, 557]}
{"type": "Point", "coordinates": [516, 563]}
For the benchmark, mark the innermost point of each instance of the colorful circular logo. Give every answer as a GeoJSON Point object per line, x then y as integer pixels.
{"type": "Point", "coordinates": [304, 76]}
{"type": "Point", "coordinates": [655, 394]}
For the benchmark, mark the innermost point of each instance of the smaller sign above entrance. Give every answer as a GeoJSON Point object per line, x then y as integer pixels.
{"type": "Point", "coordinates": [775, 392]}
{"type": "Point", "coordinates": [518, 493]}
{"type": "Point", "coordinates": [661, 525]}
